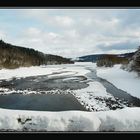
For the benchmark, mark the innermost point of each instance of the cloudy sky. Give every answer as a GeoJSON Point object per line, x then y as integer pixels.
{"type": "Point", "coordinates": [72, 32]}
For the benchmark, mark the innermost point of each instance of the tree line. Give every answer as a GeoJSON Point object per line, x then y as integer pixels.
{"type": "Point", "coordinates": [12, 56]}
{"type": "Point", "coordinates": [109, 60]}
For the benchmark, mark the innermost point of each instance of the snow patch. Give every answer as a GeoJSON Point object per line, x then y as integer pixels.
{"type": "Point", "coordinates": [6, 91]}
{"type": "Point", "coordinates": [25, 72]}
{"type": "Point", "coordinates": [72, 69]}
{"type": "Point", "coordinates": [87, 96]}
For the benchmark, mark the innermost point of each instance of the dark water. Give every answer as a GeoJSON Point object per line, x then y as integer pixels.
{"type": "Point", "coordinates": [40, 102]}
{"type": "Point", "coordinates": [37, 83]}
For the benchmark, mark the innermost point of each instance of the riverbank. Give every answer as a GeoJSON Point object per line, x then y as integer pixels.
{"type": "Point", "coordinates": [127, 81]}
{"type": "Point", "coordinates": [79, 80]}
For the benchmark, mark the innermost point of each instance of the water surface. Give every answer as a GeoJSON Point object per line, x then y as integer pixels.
{"type": "Point", "coordinates": [40, 102]}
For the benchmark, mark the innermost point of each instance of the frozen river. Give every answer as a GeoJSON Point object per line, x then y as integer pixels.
{"type": "Point", "coordinates": [65, 78]}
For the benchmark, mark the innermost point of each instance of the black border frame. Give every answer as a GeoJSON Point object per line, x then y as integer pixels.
{"type": "Point", "coordinates": [70, 4]}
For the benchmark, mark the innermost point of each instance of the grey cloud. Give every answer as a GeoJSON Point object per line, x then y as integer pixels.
{"type": "Point", "coordinates": [86, 31]}
{"type": "Point", "coordinates": [120, 46]}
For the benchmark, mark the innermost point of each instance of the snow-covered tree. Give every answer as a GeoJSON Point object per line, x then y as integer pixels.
{"type": "Point", "coordinates": [134, 64]}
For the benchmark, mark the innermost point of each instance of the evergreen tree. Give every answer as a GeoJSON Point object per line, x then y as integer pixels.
{"type": "Point", "coordinates": [12, 56]}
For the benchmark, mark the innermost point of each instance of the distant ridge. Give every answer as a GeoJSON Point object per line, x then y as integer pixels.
{"type": "Point", "coordinates": [96, 57]}
{"type": "Point", "coordinates": [12, 56]}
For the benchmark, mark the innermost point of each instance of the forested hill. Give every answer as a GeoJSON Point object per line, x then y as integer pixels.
{"type": "Point", "coordinates": [12, 56]}
{"type": "Point", "coordinates": [134, 64]}
{"type": "Point", "coordinates": [96, 57]}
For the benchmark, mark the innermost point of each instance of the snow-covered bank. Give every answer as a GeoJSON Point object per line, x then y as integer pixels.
{"type": "Point", "coordinates": [94, 97]}
{"type": "Point", "coordinates": [127, 119]}
{"type": "Point", "coordinates": [58, 70]}
{"type": "Point", "coordinates": [6, 91]}
{"type": "Point", "coordinates": [25, 72]}
{"type": "Point", "coordinates": [48, 121]}
{"type": "Point", "coordinates": [127, 81]}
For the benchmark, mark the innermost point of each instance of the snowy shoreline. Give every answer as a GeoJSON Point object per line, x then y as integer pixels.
{"type": "Point", "coordinates": [127, 119]}
{"type": "Point", "coordinates": [22, 72]}
{"type": "Point", "coordinates": [127, 81]}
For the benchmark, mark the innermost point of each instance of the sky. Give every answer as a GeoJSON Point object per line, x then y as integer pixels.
{"type": "Point", "coordinates": [72, 32]}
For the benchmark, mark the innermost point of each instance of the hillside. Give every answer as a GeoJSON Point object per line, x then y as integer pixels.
{"type": "Point", "coordinates": [134, 64]}
{"type": "Point", "coordinates": [89, 58]}
{"type": "Point", "coordinates": [96, 57]}
{"type": "Point", "coordinates": [111, 60]}
{"type": "Point", "coordinates": [12, 56]}
{"type": "Point", "coordinates": [107, 60]}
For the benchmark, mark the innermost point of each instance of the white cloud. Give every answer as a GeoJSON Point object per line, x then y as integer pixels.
{"type": "Point", "coordinates": [52, 19]}
{"type": "Point", "coordinates": [32, 32]}
{"type": "Point", "coordinates": [63, 21]}
{"type": "Point", "coordinates": [76, 32]}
